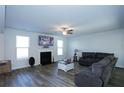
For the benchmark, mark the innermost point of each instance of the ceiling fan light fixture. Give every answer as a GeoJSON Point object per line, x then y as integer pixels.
{"type": "Point", "coordinates": [64, 33]}
{"type": "Point", "coordinates": [65, 29]}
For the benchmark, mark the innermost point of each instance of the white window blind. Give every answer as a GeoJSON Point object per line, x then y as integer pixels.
{"type": "Point", "coordinates": [60, 47]}
{"type": "Point", "coordinates": [22, 46]}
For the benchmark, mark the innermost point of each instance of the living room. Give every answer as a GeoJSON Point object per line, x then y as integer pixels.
{"type": "Point", "coordinates": [70, 31]}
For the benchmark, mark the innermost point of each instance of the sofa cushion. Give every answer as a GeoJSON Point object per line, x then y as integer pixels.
{"type": "Point", "coordinates": [87, 79]}
{"type": "Point", "coordinates": [88, 55]}
{"type": "Point", "coordinates": [111, 57]}
{"type": "Point", "coordinates": [87, 61]}
{"type": "Point", "coordinates": [100, 55]}
{"type": "Point", "coordinates": [107, 73]}
{"type": "Point", "coordinates": [103, 62]}
{"type": "Point", "coordinates": [98, 68]}
{"type": "Point", "coordinates": [96, 60]}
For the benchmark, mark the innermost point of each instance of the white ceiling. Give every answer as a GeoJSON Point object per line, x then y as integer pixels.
{"type": "Point", "coordinates": [44, 19]}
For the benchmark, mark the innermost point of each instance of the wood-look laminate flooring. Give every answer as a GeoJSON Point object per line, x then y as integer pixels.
{"type": "Point", "coordinates": [117, 78]}
{"type": "Point", "coordinates": [50, 76]}
{"type": "Point", "coordinates": [38, 76]}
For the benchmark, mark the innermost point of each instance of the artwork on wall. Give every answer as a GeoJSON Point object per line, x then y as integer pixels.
{"type": "Point", "coordinates": [45, 41]}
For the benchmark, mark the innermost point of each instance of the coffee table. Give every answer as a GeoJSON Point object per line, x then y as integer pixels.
{"type": "Point", "coordinates": [66, 66]}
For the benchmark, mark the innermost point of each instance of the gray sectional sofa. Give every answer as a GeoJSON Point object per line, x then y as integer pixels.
{"type": "Point", "coordinates": [98, 74]}
{"type": "Point", "coordinates": [88, 58]}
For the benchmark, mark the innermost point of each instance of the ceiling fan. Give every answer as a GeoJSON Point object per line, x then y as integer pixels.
{"type": "Point", "coordinates": [65, 29]}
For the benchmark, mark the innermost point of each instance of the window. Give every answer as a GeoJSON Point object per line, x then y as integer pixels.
{"type": "Point", "coordinates": [22, 45]}
{"type": "Point", "coordinates": [59, 47]}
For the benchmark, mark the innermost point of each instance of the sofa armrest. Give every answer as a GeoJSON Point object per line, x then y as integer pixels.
{"type": "Point", "coordinates": [87, 79]}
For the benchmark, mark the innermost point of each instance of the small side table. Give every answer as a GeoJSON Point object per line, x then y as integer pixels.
{"type": "Point", "coordinates": [5, 66]}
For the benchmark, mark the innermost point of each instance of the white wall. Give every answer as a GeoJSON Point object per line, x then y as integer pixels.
{"type": "Point", "coordinates": [2, 23]}
{"type": "Point", "coordinates": [2, 17]}
{"type": "Point", "coordinates": [34, 50]}
{"type": "Point", "coordinates": [110, 42]}
{"type": "Point", "coordinates": [1, 46]}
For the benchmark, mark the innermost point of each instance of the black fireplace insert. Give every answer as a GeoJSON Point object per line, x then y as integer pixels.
{"type": "Point", "coordinates": [45, 58]}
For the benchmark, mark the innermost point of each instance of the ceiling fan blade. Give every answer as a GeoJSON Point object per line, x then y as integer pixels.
{"type": "Point", "coordinates": [70, 30]}
{"type": "Point", "coordinates": [70, 33]}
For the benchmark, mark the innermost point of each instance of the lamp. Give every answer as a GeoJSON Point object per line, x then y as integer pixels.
{"type": "Point", "coordinates": [76, 50]}
{"type": "Point", "coordinates": [75, 55]}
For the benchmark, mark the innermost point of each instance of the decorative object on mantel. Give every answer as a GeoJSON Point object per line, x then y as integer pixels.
{"type": "Point", "coordinates": [45, 41]}
{"type": "Point", "coordinates": [31, 61]}
{"type": "Point", "coordinates": [75, 55]}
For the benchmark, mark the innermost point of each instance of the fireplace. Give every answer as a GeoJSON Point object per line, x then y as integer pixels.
{"type": "Point", "coordinates": [45, 58]}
